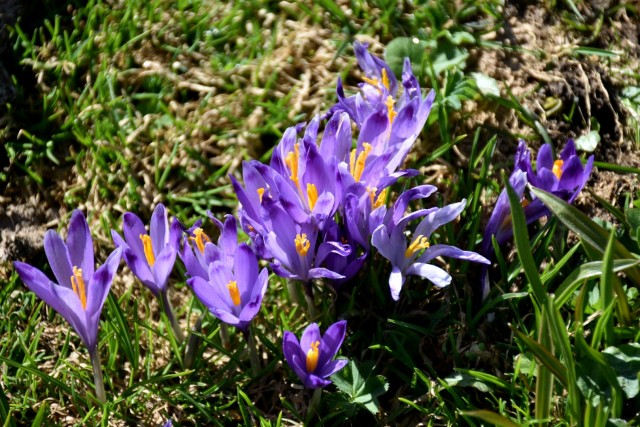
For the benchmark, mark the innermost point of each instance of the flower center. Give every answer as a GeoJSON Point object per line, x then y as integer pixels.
{"type": "Point", "coordinates": [260, 193]}
{"type": "Point", "coordinates": [312, 195]}
{"type": "Point", "coordinates": [77, 283]}
{"type": "Point", "coordinates": [234, 292]}
{"type": "Point", "coordinates": [418, 244]}
{"type": "Point", "coordinates": [557, 168]}
{"type": "Point", "coordinates": [291, 160]}
{"type": "Point", "coordinates": [376, 202]}
{"type": "Point", "coordinates": [356, 166]}
{"type": "Point", "coordinates": [375, 82]}
{"type": "Point", "coordinates": [312, 356]}
{"type": "Point", "coordinates": [200, 238]}
{"type": "Point", "coordinates": [302, 244]}
{"type": "Point", "coordinates": [148, 249]}
{"type": "Point", "coordinates": [392, 113]}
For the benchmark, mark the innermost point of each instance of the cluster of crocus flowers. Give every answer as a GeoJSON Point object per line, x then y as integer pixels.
{"type": "Point", "coordinates": [563, 177]}
{"type": "Point", "coordinates": [81, 290]}
{"type": "Point", "coordinates": [313, 210]}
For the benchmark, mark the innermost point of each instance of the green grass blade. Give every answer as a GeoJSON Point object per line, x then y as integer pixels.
{"type": "Point", "coordinates": [544, 384]}
{"type": "Point", "coordinates": [543, 354]}
{"type": "Point", "coordinates": [561, 339]}
{"type": "Point", "coordinates": [588, 230]}
{"type": "Point", "coordinates": [491, 417]}
{"type": "Point", "coordinates": [587, 271]}
{"type": "Point", "coordinates": [606, 290]}
{"type": "Point", "coordinates": [521, 237]}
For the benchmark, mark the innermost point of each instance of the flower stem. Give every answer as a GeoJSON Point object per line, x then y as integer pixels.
{"type": "Point", "coordinates": [254, 358]}
{"type": "Point", "coordinates": [192, 344]}
{"type": "Point", "coordinates": [168, 310]}
{"type": "Point", "coordinates": [314, 405]}
{"type": "Point", "coordinates": [294, 293]}
{"type": "Point", "coordinates": [311, 303]}
{"type": "Point", "coordinates": [224, 335]}
{"type": "Point", "coordinates": [97, 375]}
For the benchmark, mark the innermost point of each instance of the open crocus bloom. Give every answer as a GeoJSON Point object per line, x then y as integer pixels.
{"type": "Point", "coordinates": [413, 258]}
{"type": "Point", "coordinates": [312, 357]}
{"type": "Point", "coordinates": [81, 291]}
{"type": "Point", "coordinates": [150, 256]}
{"type": "Point", "coordinates": [233, 293]}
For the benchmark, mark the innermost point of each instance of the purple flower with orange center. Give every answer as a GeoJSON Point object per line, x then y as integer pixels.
{"type": "Point", "coordinates": [233, 293]}
{"type": "Point", "coordinates": [312, 358]}
{"type": "Point", "coordinates": [152, 255]}
{"type": "Point", "coordinates": [81, 290]}
{"type": "Point", "coordinates": [413, 258]}
{"type": "Point", "coordinates": [563, 177]}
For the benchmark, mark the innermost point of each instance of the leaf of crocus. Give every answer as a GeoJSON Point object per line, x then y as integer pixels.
{"type": "Point", "coordinates": [491, 417]}
{"type": "Point", "coordinates": [584, 227]}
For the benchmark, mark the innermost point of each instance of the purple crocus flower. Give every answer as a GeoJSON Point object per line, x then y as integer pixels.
{"type": "Point", "coordinates": [150, 256]}
{"type": "Point", "coordinates": [199, 252]}
{"type": "Point", "coordinates": [413, 258]}
{"type": "Point", "coordinates": [312, 358]}
{"type": "Point", "coordinates": [564, 178]}
{"type": "Point", "coordinates": [81, 291]}
{"type": "Point", "coordinates": [295, 250]}
{"type": "Point", "coordinates": [233, 293]}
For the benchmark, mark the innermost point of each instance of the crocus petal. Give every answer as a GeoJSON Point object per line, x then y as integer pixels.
{"type": "Point", "coordinates": [210, 296]}
{"type": "Point", "coordinates": [163, 266]}
{"type": "Point", "coordinates": [159, 229]}
{"type": "Point", "coordinates": [321, 272]}
{"type": "Point", "coordinates": [332, 367]}
{"type": "Point", "coordinates": [451, 252]}
{"type": "Point", "coordinates": [572, 174]}
{"type": "Point", "coordinates": [293, 354]}
{"type": "Point", "coordinates": [99, 287]}
{"type": "Point", "coordinates": [545, 157]}
{"type": "Point", "coordinates": [396, 280]}
{"type": "Point", "coordinates": [140, 269]}
{"type": "Point", "coordinates": [313, 382]}
{"type": "Point", "coordinates": [310, 335]}
{"type": "Point", "coordinates": [226, 316]}
{"type": "Point", "coordinates": [245, 271]}
{"type": "Point", "coordinates": [80, 244]}
{"type": "Point", "coordinates": [438, 218]}
{"type": "Point", "coordinates": [331, 342]}
{"type": "Point", "coordinates": [58, 256]}
{"type": "Point", "coordinates": [434, 274]}
{"type": "Point", "coordinates": [132, 227]}
{"type": "Point", "coordinates": [118, 241]}
{"type": "Point", "coordinates": [60, 298]}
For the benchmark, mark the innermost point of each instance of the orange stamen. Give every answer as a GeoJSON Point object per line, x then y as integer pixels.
{"type": "Point", "coordinates": [201, 239]}
{"type": "Point", "coordinates": [312, 195]}
{"type": "Point", "coordinates": [260, 193]}
{"type": "Point", "coordinates": [312, 356]}
{"type": "Point", "coordinates": [148, 249]}
{"type": "Point", "coordinates": [234, 292]}
{"type": "Point", "coordinates": [356, 167]}
{"type": "Point", "coordinates": [557, 168]}
{"type": "Point", "coordinates": [392, 113]}
{"type": "Point", "coordinates": [418, 244]}
{"type": "Point", "coordinates": [302, 244]}
{"type": "Point", "coordinates": [77, 283]}
{"type": "Point", "coordinates": [291, 160]}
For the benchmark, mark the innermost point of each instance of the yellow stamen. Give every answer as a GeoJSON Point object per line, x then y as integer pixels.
{"type": "Point", "coordinates": [392, 113]}
{"type": "Point", "coordinates": [77, 283]}
{"type": "Point", "coordinates": [234, 292]}
{"type": "Point", "coordinates": [148, 249]}
{"type": "Point", "coordinates": [260, 193]}
{"type": "Point", "coordinates": [557, 168]}
{"type": "Point", "coordinates": [381, 199]}
{"type": "Point", "coordinates": [372, 82]}
{"type": "Point", "coordinates": [385, 78]}
{"type": "Point", "coordinates": [356, 167]}
{"type": "Point", "coordinates": [312, 356]}
{"type": "Point", "coordinates": [291, 160]}
{"type": "Point", "coordinates": [302, 244]}
{"type": "Point", "coordinates": [418, 244]}
{"type": "Point", "coordinates": [201, 239]}
{"type": "Point", "coordinates": [312, 195]}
